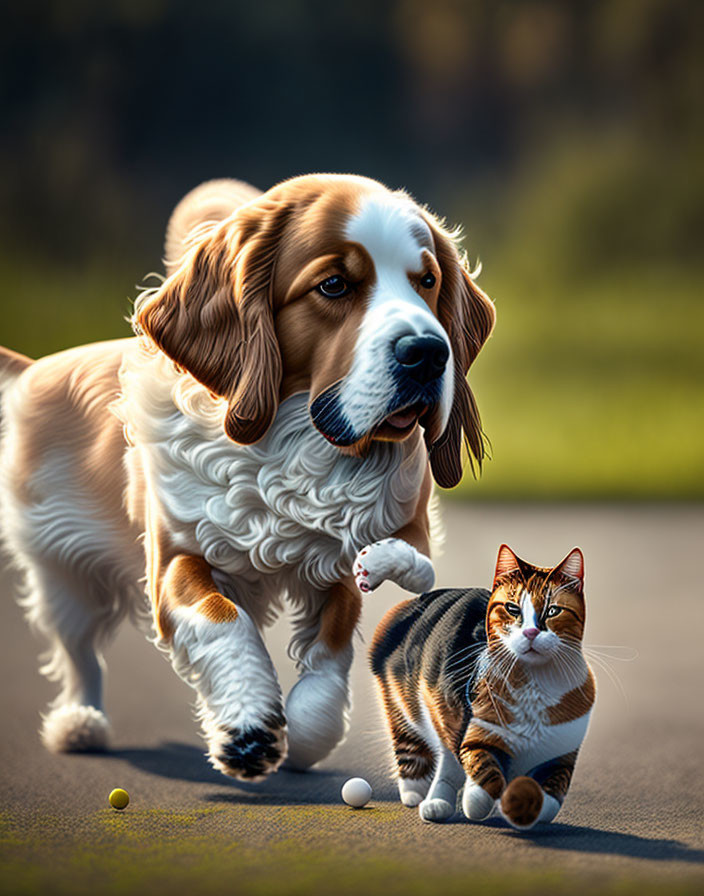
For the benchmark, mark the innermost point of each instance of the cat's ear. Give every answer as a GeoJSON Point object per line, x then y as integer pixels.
{"type": "Point", "coordinates": [573, 566]}
{"type": "Point", "coordinates": [506, 562]}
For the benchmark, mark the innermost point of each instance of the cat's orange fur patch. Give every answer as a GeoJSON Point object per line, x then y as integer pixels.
{"type": "Point", "coordinates": [479, 763]}
{"type": "Point", "coordinates": [406, 699]}
{"type": "Point", "coordinates": [492, 699]}
{"type": "Point", "coordinates": [574, 703]}
{"type": "Point", "coordinates": [446, 720]}
{"type": "Point", "coordinates": [414, 758]}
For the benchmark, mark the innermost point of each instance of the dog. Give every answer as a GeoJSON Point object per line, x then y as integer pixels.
{"type": "Point", "coordinates": [271, 431]}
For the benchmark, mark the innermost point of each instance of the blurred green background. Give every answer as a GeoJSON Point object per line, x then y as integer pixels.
{"type": "Point", "coordinates": [566, 137]}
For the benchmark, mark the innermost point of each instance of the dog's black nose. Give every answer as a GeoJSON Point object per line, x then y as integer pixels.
{"type": "Point", "coordinates": [423, 357]}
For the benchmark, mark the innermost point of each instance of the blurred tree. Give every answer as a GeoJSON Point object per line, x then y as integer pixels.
{"type": "Point", "coordinates": [112, 110]}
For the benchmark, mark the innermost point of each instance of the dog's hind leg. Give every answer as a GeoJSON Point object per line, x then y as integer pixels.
{"type": "Point", "coordinates": [76, 628]}
{"type": "Point", "coordinates": [64, 526]}
{"type": "Point", "coordinates": [318, 704]}
{"type": "Point", "coordinates": [77, 587]}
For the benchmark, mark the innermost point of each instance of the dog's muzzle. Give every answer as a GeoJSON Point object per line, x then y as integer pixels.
{"type": "Point", "coordinates": [412, 377]}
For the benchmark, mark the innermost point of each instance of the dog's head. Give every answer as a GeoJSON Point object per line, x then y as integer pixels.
{"type": "Point", "coordinates": [335, 286]}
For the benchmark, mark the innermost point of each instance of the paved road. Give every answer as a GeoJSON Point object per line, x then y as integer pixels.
{"type": "Point", "coordinates": [637, 801]}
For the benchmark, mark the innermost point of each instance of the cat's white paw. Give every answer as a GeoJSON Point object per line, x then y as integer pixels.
{"type": "Point", "coordinates": [413, 790]}
{"type": "Point", "coordinates": [395, 560]}
{"type": "Point", "coordinates": [476, 802]}
{"type": "Point", "coordinates": [550, 808]}
{"type": "Point", "coordinates": [435, 810]}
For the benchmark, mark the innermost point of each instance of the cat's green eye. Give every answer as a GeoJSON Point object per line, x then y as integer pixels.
{"type": "Point", "coordinates": [513, 609]}
{"type": "Point", "coordinates": [553, 611]}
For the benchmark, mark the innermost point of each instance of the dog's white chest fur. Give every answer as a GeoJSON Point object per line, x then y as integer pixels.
{"type": "Point", "coordinates": [290, 505]}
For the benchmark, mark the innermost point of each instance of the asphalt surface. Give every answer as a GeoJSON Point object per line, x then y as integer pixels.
{"type": "Point", "coordinates": [636, 804]}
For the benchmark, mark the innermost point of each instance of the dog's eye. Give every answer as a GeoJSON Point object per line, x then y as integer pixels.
{"type": "Point", "coordinates": [513, 609]}
{"type": "Point", "coordinates": [553, 611]}
{"type": "Point", "coordinates": [427, 281]}
{"type": "Point", "coordinates": [333, 287]}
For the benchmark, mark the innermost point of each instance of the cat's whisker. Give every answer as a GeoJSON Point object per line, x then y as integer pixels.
{"type": "Point", "coordinates": [569, 665]}
{"type": "Point", "coordinates": [507, 661]}
{"type": "Point", "coordinates": [614, 646]}
{"type": "Point", "coordinates": [469, 663]}
{"type": "Point", "coordinates": [603, 650]}
{"type": "Point", "coordinates": [613, 677]}
{"type": "Point", "coordinates": [464, 662]}
{"type": "Point", "coordinates": [496, 708]}
{"type": "Point", "coordinates": [457, 676]}
{"type": "Point", "coordinates": [468, 669]}
{"type": "Point", "coordinates": [602, 664]}
{"type": "Point", "coordinates": [462, 655]}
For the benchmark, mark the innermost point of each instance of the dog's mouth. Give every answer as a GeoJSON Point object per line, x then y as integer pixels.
{"type": "Point", "coordinates": [332, 422]}
{"type": "Point", "coordinates": [398, 425]}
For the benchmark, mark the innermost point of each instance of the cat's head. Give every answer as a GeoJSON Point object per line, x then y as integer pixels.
{"type": "Point", "coordinates": [534, 612]}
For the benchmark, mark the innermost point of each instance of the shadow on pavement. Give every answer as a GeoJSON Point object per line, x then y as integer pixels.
{"type": "Point", "coordinates": [170, 760]}
{"type": "Point", "coordinates": [578, 838]}
{"type": "Point", "coordinates": [184, 762]}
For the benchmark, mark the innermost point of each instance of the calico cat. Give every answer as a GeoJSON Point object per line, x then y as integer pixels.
{"type": "Point", "coordinates": [488, 691]}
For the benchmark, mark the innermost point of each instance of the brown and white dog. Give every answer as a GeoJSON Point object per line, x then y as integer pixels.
{"type": "Point", "coordinates": [272, 432]}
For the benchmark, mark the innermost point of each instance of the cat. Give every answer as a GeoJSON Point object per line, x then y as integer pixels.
{"type": "Point", "coordinates": [489, 692]}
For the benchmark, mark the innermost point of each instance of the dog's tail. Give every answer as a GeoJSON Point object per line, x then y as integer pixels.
{"type": "Point", "coordinates": [198, 211]}
{"type": "Point", "coordinates": [11, 366]}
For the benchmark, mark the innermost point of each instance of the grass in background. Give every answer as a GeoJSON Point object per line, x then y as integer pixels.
{"type": "Point", "coordinates": [46, 307]}
{"type": "Point", "coordinates": [593, 390]}
{"type": "Point", "coordinates": [593, 384]}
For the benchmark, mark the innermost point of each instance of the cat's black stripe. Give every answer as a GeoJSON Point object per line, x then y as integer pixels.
{"type": "Point", "coordinates": [404, 616]}
{"type": "Point", "coordinates": [452, 643]}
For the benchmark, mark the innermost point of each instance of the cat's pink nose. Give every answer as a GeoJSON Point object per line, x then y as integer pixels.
{"type": "Point", "coordinates": [531, 633]}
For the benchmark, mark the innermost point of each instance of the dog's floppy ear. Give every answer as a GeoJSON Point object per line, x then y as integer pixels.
{"type": "Point", "coordinates": [468, 315]}
{"type": "Point", "coordinates": [214, 317]}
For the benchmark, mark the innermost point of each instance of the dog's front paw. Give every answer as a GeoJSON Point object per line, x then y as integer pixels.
{"type": "Point", "coordinates": [249, 754]}
{"type": "Point", "coordinates": [395, 560]}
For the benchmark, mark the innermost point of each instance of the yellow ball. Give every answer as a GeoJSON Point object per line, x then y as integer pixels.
{"type": "Point", "coordinates": [119, 798]}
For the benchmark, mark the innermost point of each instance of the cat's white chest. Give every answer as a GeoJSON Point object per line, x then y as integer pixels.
{"type": "Point", "coordinates": [531, 738]}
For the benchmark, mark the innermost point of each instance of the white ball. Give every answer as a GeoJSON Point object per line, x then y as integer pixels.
{"type": "Point", "coordinates": [356, 792]}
